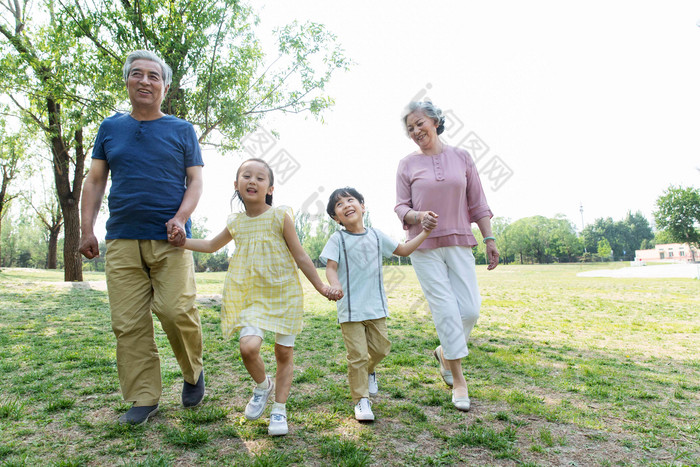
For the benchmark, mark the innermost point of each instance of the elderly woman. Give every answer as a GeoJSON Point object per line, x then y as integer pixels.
{"type": "Point", "coordinates": [444, 179]}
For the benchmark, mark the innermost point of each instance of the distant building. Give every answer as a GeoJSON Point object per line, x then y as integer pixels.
{"type": "Point", "coordinates": [670, 253]}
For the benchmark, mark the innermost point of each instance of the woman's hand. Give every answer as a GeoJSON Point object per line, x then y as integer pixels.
{"type": "Point", "coordinates": [492, 254]}
{"type": "Point", "coordinates": [428, 220]}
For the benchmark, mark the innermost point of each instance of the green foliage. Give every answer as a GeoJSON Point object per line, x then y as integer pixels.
{"type": "Point", "coordinates": [313, 245]}
{"type": "Point", "coordinates": [214, 262]}
{"type": "Point", "coordinates": [24, 242]}
{"type": "Point", "coordinates": [13, 150]}
{"type": "Point", "coordinates": [604, 250]}
{"type": "Point", "coordinates": [539, 239]}
{"type": "Point", "coordinates": [623, 237]}
{"type": "Point", "coordinates": [678, 213]}
{"type": "Point", "coordinates": [63, 70]}
{"type": "Point", "coordinates": [222, 80]}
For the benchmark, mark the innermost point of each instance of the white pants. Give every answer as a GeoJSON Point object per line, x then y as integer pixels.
{"type": "Point", "coordinates": [447, 276]}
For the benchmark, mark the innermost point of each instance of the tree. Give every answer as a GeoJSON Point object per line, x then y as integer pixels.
{"type": "Point", "coordinates": [218, 261]}
{"type": "Point", "coordinates": [313, 245]}
{"type": "Point", "coordinates": [604, 250]}
{"type": "Point", "coordinates": [640, 231]}
{"type": "Point", "coordinates": [24, 240]}
{"type": "Point", "coordinates": [45, 69]}
{"type": "Point", "coordinates": [678, 214]}
{"type": "Point", "coordinates": [624, 236]}
{"type": "Point", "coordinates": [563, 242]}
{"type": "Point", "coordinates": [50, 215]}
{"type": "Point", "coordinates": [199, 231]}
{"type": "Point", "coordinates": [499, 227]}
{"type": "Point", "coordinates": [302, 225]}
{"type": "Point", "coordinates": [222, 81]}
{"type": "Point", "coordinates": [661, 237]}
{"type": "Point", "coordinates": [11, 152]}
{"type": "Point", "coordinates": [538, 239]}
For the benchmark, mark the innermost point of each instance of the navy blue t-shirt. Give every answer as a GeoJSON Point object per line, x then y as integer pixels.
{"type": "Point", "coordinates": [148, 161]}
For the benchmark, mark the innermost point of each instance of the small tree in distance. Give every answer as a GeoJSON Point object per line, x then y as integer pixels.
{"type": "Point", "coordinates": [678, 213]}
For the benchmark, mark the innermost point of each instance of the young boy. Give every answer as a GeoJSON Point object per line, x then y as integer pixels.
{"type": "Point", "coordinates": [353, 258]}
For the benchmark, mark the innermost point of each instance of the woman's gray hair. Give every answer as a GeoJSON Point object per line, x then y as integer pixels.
{"type": "Point", "coordinates": [148, 55]}
{"type": "Point", "coordinates": [429, 110]}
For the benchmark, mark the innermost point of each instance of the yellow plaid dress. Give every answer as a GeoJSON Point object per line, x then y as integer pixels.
{"type": "Point", "coordinates": [262, 286]}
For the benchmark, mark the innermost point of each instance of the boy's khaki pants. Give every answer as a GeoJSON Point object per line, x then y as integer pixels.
{"type": "Point", "coordinates": [367, 343]}
{"type": "Point", "coordinates": [144, 277]}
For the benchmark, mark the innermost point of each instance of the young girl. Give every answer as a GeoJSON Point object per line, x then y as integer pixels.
{"type": "Point", "coordinates": [262, 291]}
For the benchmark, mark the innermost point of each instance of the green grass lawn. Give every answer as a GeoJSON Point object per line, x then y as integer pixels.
{"type": "Point", "coordinates": [563, 371]}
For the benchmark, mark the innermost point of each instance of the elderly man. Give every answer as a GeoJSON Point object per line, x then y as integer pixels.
{"type": "Point", "coordinates": [156, 167]}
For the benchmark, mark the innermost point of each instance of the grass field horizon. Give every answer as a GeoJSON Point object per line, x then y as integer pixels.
{"type": "Point", "coordinates": [563, 370]}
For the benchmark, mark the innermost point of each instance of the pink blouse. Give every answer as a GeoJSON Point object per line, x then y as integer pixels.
{"type": "Point", "coordinates": [447, 184]}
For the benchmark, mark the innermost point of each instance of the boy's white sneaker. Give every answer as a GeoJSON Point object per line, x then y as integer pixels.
{"type": "Point", "coordinates": [363, 410]}
{"type": "Point", "coordinates": [373, 387]}
{"type": "Point", "coordinates": [278, 424]}
{"type": "Point", "coordinates": [257, 403]}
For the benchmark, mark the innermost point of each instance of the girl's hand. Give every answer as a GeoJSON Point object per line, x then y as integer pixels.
{"type": "Point", "coordinates": [324, 290]}
{"type": "Point", "coordinates": [429, 220]}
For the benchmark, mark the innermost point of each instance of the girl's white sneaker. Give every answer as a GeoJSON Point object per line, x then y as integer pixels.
{"type": "Point", "coordinates": [278, 424]}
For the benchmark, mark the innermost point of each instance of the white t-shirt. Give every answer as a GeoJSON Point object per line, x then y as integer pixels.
{"type": "Point", "coordinates": [359, 258]}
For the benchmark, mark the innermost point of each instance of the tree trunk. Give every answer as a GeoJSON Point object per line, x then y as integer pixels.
{"type": "Point", "coordinates": [73, 263]}
{"type": "Point", "coordinates": [52, 256]}
{"type": "Point", "coordinates": [69, 197]}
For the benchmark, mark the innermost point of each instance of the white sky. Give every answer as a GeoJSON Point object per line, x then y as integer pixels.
{"type": "Point", "coordinates": [593, 102]}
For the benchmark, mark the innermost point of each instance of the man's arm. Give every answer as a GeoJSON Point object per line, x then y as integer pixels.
{"type": "Point", "coordinates": [93, 192]}
{"type": "Point", "coordinates": [187, 206]}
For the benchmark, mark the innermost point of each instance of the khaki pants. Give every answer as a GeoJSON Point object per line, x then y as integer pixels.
{"type": "Point", "coordinates": [144, 277]}
{"type": "Point", "coordinates": [367, 343]}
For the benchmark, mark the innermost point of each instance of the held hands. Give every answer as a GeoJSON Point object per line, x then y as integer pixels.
{"type": "Point", "coordinates": [176, 233]}
{"type": "Point", "coordinates": [331, 293]}
{"type": "Point", "coordinates": [428, 220]}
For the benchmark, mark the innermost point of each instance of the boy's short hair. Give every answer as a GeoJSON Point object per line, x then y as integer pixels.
{"type": "Point", "coordinates": [348, 192]}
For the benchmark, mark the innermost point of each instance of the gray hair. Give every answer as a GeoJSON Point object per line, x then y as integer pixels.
{"type": "Point", "coordinates": [429, 110]}
{"type": "Point", "coordinates": [148, 55]}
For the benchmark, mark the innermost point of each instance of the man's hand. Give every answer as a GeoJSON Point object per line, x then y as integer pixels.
{"type": "Point", "coordinates": [89, 246]}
